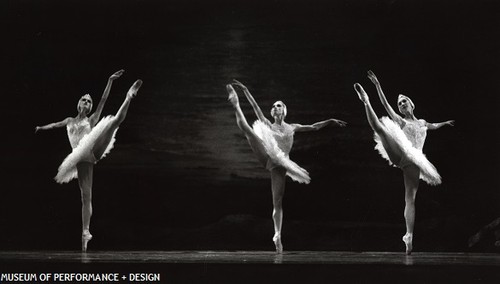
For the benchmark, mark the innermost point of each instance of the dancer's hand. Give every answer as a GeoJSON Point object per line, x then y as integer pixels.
{"type": "Point", "coordinates": [450, 122]}
{"type": "Point", "coordinates": [116, 75]}
{"type": "Point", "coordinates": [372, 77]}
{"type": "Point", "coordinates": [233, 97]}
{"type": "Point", "coordinates": [338, 122]}
{"type": "Point", "coordinates": [230, 89]}
{"type": "Point", "coordinates": [239, 84]}
{"type": "Point", "coordinates": [37, 128]}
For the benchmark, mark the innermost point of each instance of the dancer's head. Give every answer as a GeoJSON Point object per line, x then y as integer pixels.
{"type": "Point", "coordinates": [405, 104]}
{"type": "Point", "coordinates": [85, 104]}
{"type": "Point", "coordinates": [279, 110]}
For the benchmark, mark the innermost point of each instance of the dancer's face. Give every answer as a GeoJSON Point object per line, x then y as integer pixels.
{"type": "Point", "coordinates": [405, 105]}
{"type": "Point", "coordinates": [85, 104]}
{"type": "Point", "coordinates": [278, 109]}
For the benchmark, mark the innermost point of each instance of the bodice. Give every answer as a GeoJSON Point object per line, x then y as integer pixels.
{"type": "Point", "coordinates": [416, 132]}
{"type": "Point", "coordinates": [284, 136]}
{"type": "Point", "coordinates": [76, 131]}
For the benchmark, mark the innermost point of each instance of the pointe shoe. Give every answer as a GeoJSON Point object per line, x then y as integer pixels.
{"type": "Point", "coordinates": [361, 93]}
{"type": "Point", "coordinates": [278, 244]}
{"type": "Point", "coordinates": [86, 237]}
{"type": "Point", "coordinates": [233, 97]}
{"type": "Point", "coordinates": [408, 239]}
{"type": "Point", "coordinates": [132, 92]}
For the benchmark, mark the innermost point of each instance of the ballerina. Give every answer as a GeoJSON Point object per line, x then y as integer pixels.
{"type": "Point", "coordinates": [90, 141]}
{"type": "Point", "coordinates": [400, 141]}
{"type": "Point", "coordinates": [271, 143]}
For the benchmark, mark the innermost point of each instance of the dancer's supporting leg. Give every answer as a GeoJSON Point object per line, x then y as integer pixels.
{"type": "Point", "coordinates": [278, 176]}
{"type": "Point", "coordinates": [85, 172]}
{"type": "Point", "coordinates": [411, 177]}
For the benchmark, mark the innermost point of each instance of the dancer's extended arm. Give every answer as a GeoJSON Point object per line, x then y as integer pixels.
{"type": "Point", "coordinates": [318, 125]}
{"type": "Point", "coordinates": [253, 103]}
{"type": "Point", "coordinates": [437, 125]}
{"type": "Point", "coordinates": [61, 123]}
{"type": "Point", "coordinates": [394, 116]}
{"type": "Point", "coordinates": [94, 118]}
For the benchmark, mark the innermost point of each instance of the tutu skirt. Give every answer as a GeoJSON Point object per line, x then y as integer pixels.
{"type": "Point", "coordinates": [410, 154]}
{"type": "Point", "coordinates": [277, 156]}
{"type": "Point", "coordinates": [83, 152]}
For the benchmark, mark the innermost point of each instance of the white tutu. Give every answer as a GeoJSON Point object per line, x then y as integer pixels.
{"type": "Point", "coordinates": [277, 156]}
{"type": "Point", "coordinates": [410, 154]}
{"type": "Point", "coordinates": [83, 152]}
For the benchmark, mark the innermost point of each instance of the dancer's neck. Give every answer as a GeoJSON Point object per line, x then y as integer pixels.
{"type": "Point", "coordinates": [410, 116]}
{"type": "Point", "coordinates": [81, 116]}
{"type": "Point", "coordinates": [278, 120]}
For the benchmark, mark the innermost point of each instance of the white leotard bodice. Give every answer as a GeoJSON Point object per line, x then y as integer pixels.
{"type": "Point", "coordinates": [76, 131]}
{"type": "Point", "coordinates": [416, 132]}
{"type": "Point", "coordinates": [284, 136]}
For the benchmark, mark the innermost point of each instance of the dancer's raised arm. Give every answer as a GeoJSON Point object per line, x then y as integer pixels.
{"type": "Point", "coordinates": [94, 118]}
{"type": "Point", "coordinates": [318, 125]}
{"type": "Point", "coordinates": [437, 125]}
{"type": "Point", "coordinates": [58, 124]}
{"type": "Point", "coordinates": [394, 116]}
{"type": "Point", "coordinates": [253, 103]}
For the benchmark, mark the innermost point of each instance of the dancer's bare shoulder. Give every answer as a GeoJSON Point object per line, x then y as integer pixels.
{"type": "Point", "coordinates": [422, 122]}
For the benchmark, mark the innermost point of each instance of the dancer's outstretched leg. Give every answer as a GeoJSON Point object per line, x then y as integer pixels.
{"type": "Point", "coordinates": [85, 173]}
{"type": "Point", "coordinates": [411, 177]}
{"type": "Point", "coordinates": [252, 138]}
{"type": "Point", "coordinates": [278, 176]}
{"type": "Point", "coordinates": [103, 141]}
{"type": "Point", "coordinates": [370, 113]}
{"type": "Point", "coordinates": [391, 147]}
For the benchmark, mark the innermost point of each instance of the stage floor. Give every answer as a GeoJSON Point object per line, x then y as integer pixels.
{"type": "Point", "coordinates": [255, 257]}
{"type": "Point", "coordinates": [265, 266]}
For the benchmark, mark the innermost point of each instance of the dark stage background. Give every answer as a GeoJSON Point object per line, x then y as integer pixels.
{"type": "Point", "coordinates": [182, 176]}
